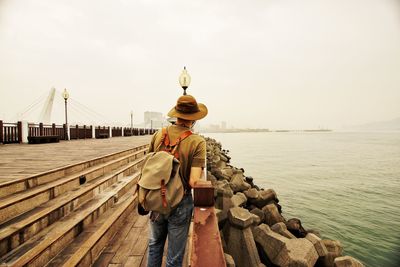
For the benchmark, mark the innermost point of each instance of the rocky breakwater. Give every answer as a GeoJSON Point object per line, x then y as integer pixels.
{"type": "Point", "coordinates": [252, 228]}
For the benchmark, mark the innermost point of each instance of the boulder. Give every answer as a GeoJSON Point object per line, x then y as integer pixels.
{"type": "Point", "coordinates": [315, 232]}
{"type": "Point", "coordinates": [256, 219]}
{"type": "Point", "coordinates": [240, 218]}
{"type": "Point", "coordinates": [251, 194]}
{"type": "Point", "coordinates": [224, 157]}
{"type": "Point", "coordinates": [282, 251]}
{"type": "Point", "coordinates": [272, 215]}
{"type": "Point", "coordinates": [347, 261]}
{"type": "Point", "coordinates": [223, 188]}
{"type": "Point", "coordinates": [238, 184]}
{"type": "Point", "coordinates": [259, 213]}
{"type": "Point", "coordinates": [222, 174]}
{"type": "Point", "coordinates": [239, 238]}
{"type": "Point", "coordinates": [335, 250]}
{"type": "Point", "coordinates": [220, 164]}
{"type": "Point", "coordinates": [265, 197]}
{"type": "Point", "coordinates": [318, 244]}
{"type": "Point", "coordinates": [221, 216]}
{"type": "Point", "coordinates": [281, 229]}
{"type": "Point", "coordinates": [212, 178]}
{"type": "Point", "coordinates": [239, 200]}
{"type": "Point", "coordinates": [229, 260]}
{"type": "Point", "coordinates": [295, 227]}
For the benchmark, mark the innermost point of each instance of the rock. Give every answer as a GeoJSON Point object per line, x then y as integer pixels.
{"type": "Point", "coordinates": [229, 260]}
{"type": "Point", "coordinates": [251, 194]}
{"type": "Point", "coordinates": [256, 219]}
{"type": "Point", "coordinates": [315, 232]}
{"type": "Point", "coordinates": [281, 229]}
{"type": "Point", "coordinates": [282, 251]}
{"type": "Point", "coordinates": [223, 202]}
{"type": "Point", "coordinates": [222, 174]}
{"type": "Point", "coordinates": [239, 240]}
{"type": "Point", "coordinates": [211, 178]}
{"type": "Point", "coordinates": [347, 261]}
{"type": "Point", "coordinates": [272, 215]}
{"type": "Point", "coordinates": [318, 244]}
{"type": "Point", "coordinates": [221, 216]}
{"type": "Point", "coordinates": [224, 158]}
{"type": "Point", "coordinates": [238, 184]}
{"type": "Point", "coordinates": [265, 197]}
{"type": "Point", "coordinates": [295, 227]}
{"type": "Point", "coordinates": [240, 218]}
{"type": "Point", "coordinates": [259, 213]}
{"type": "Point", "coordinates": [249, 180]}
{"type": "Point", "coordinates": [335, 250]}
{"type": "Point", "coordinates": [220, 164]}
{"type": "Point", "coordinates": [239, 200]}
{"type": "Point", "coordinates": [223, 188]}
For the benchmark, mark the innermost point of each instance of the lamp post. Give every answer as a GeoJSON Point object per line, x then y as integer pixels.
{"type": "Point", "coordinates": [184, 80]}
{"type": "Point", "coordinates": [65, 95]}
{"type": "Point", "coordinates": [132, 123]}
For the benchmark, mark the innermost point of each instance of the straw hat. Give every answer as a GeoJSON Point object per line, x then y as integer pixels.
{"type": "Point", "coordinates": [187, 108]}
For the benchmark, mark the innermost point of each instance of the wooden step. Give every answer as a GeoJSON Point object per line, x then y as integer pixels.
{"type": "Point", "coordinates": [18, 230]}
{"type": "Point", "coordinates": [17, 185]}
{"type": "Point", "coordinates": [14, 205]}
{"type": "Point", "coordinates": [48, 243]}
{"type": "Point", "coordinates": [87, 247]}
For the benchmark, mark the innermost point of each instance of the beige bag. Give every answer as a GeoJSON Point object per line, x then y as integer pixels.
{"type": "Point", "coordinates": [160, 185]}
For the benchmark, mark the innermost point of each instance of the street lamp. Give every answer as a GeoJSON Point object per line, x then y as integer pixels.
{"type": "Point", "coordinates": [132, 123]}
{"type": "Point", "coordinates": [184, 80]}
{"type": "Point", "coordinates": [65, 95]}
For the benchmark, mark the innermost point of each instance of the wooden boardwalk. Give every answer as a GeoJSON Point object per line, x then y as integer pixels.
{"type": "Point", "coordinates": [129, 246]}
{"type": "Point", "coordinates": [23, 160]}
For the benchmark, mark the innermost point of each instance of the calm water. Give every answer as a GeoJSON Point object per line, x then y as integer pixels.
{"type": "Point", "coordinates": [346, 185]}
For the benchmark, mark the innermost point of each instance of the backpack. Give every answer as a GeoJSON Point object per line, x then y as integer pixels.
{"type": "Point", "coordinates": [160, 186]}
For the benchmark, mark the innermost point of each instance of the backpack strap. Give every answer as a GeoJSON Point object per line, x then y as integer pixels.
{"type": "Point", "coordinates": [178, 141]}
{"type": "Point", "coordinates": [164, 138]}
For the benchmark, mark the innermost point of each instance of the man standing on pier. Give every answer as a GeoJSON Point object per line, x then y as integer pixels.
{"type": "Point", "coordinates": [192, 154]}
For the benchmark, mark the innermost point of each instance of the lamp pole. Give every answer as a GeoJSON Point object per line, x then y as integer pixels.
{"type": "Point", "coordinates": [132, 123]}
{"type": "Point", "coordinates": [184, 80]}
{"type": "Point", "coordinates": [65, 95]}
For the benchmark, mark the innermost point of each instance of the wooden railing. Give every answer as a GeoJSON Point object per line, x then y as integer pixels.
{"type": "Point", "coordinates": [10, 132]}
{"type": "Point", "coordinates": [80, 132]}
{"type": "Point", "coordinates": [205, 236]}
{"type": "Point", "coordinates": [46, 130]}
{"type": "Point", "coordinates": [116, 131]}
{"type": "Point", "coordinates": [22, 131]}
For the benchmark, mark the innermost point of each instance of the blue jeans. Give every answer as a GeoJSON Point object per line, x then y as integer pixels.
{"type": "Point", "coordinates": [176, 226]}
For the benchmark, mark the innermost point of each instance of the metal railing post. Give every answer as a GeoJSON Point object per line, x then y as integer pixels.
{"type": "Point", "coordinates": [19, 126]}
{"type": "Point", "coordinates": [41, 129]}
{"type": "Point", "coordinates": [1, 132]}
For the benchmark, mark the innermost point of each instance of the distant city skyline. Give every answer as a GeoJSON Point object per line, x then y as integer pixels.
{"type": "Point", "coordinates": [268, 64]}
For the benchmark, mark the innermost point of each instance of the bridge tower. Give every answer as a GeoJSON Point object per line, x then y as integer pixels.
{"type": "Point", "coordinates": [45, 115]}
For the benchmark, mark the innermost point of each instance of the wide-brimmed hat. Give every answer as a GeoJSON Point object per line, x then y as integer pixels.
{"type": "Point", "coordinates": [187, 108]}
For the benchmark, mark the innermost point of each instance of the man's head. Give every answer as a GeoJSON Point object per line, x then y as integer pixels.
{"type": "Point", "coordinates": [187, 109]}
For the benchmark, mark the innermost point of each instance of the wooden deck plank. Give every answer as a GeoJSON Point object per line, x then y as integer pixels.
{"type": "Point", "coordinates": [134, 261]}
{"type": "Point", "coordinates": [22, 160]}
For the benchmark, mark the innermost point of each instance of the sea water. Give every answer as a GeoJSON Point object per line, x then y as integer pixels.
{"type": "Point", "coordinates": [344, 184]}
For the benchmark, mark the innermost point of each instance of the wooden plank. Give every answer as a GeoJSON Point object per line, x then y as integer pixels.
{"type": "Point", "coordinates": [133, 261]}
{"type": "Point", "coordinates": [104, 260]}
{"type": "Point", "coordinates": [131, 241]}
{"type": "Point", "coordinates": [144, 260]}
{"type": "Point", "coordinates": [116, 242]}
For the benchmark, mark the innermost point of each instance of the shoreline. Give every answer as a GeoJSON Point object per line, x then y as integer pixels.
{"type": "Point", "coordinates": [251, 222]}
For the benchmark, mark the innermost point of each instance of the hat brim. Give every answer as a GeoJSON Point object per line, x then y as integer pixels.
{"type": "Point", "coordinates": [203, 111]}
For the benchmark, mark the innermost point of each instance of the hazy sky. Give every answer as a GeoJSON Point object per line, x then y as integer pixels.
{"type": "Point", "coordinates": [269, 63]}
